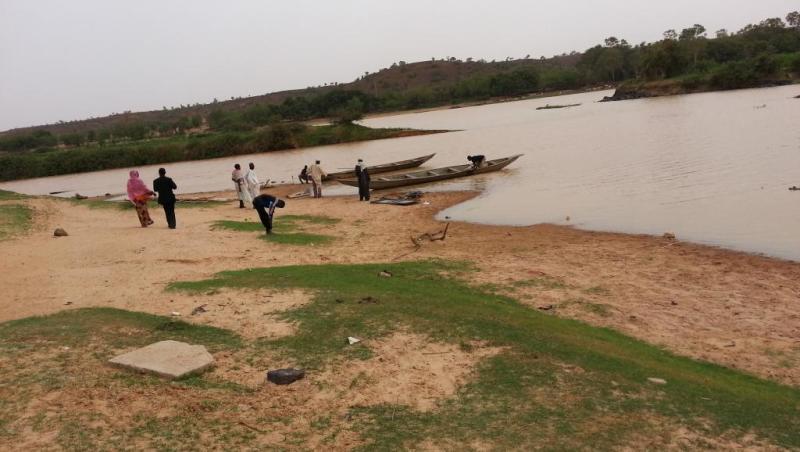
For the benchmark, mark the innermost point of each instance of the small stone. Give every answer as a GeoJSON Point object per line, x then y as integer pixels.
{"type": "Point", "coordinates": [657, 381]}
{"type": "Point", "coordinates": [546, 308]}
{"type": "Point", "coordinates": [285, 376]}
{"type": "Point", "coordinates": [669, 236]}
{"type": "Point", "coordinates": [175, 314]}
{"type": "Point", "coordinates": [67, 303]}
{"type": "Point", "coordinates": [353, 340]}
{"type": "Point", "coordinates": [385, 274]}
{"type": "Point", "coordinates": [60, 233]}
{"type": "Point", "coordinates": [199, 310]}
{"type": "Point", "coordinates": [168, 359]}
{"type": "Point", "coordinates": [673, 303]}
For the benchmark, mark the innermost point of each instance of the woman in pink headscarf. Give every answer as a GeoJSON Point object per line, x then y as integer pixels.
{"type": "Point", "coordinates": [139, 194]}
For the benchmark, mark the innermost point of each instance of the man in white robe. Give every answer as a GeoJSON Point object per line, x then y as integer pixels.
{"type": "Point", "coordinates": [241, 188]}
{"type": "Point", "coordinates": [253, 184]}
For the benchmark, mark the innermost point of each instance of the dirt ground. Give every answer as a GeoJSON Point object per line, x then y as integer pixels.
{"type": "Point", "coordinates": [731, 308]}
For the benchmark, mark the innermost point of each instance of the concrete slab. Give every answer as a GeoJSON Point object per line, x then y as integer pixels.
{"type": "Point", "coordinates": [168, 359]}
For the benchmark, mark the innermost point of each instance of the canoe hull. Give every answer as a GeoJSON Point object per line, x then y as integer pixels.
{"type": "Point", "coordinates": [383, 168]}
{"type": "Point", "coordinates": [434, 175]}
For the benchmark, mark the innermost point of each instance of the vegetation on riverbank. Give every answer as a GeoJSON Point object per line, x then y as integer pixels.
{"type": "Point", "coordinates": [50, 162]}
{"type": "Point", "coordinates": [766, 54]}
{"type": "Point", "coordinates": [14, 219]}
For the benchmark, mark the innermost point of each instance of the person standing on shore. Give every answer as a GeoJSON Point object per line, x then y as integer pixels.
{"type": "Point", "coordinates": [317, 173]}
{"type": "Point", "coordinates": [139, 194]}
{"type": "Point", "coordinates": [265, 206]}
{"type": "Point", "coordinates": [251, 179]}
{"type": "Point", "coordinates": [241, 187]}
{"type": "Point", "coordinates": [362, 174]}
{"type": "Point", "coordinates": [164, 186]}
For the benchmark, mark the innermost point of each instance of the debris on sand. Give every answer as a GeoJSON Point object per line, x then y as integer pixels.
{"type": "Point", "coordinates": [60, 233]}
{"type": "Point", "coordinates": [199, 310]}
{"type": "Point", "coordinates": [285, 376]}
{"type": "Point", "coordinates": [794, 188]}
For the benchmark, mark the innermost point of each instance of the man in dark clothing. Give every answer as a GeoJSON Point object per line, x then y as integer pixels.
{"type": "Point", "coordinates": [164, 186]}
{"type": "Point", "coordinates": [478, 161]}
{"type": "Point", "coordinates": [362, 174]}
{"type": "Point", "coordinates": [304, 175]}
{"type": "Point", "coordinates": [265, 206]}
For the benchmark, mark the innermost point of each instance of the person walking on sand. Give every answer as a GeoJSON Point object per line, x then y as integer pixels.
{"type": "Point", "coordinates": [265, 206]}
{"type": "Point", "coordinates": [241, 187]}
{"type": "Point", "coordinates": [251, 179]}
{"type": "Point", "coordinates": [164, 186]}
{"type": "Point", "coordinates": [362, 174]}
{"type": "Point", "coordinates": [139, 194]}
{"type": "Point", "coordinates": [317, 174]}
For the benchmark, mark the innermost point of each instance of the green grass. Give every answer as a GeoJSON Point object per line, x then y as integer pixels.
{"type": "Point", "coordinates": [6, 195]}
{"type": "Point", "coordinates": [287, 229]}
{"type": "Point", "coordinates": [14, 219]}
{"type": "Point", "coordinates": [523, 396]}
{"type": "Point", "coordinates": [78, 327]}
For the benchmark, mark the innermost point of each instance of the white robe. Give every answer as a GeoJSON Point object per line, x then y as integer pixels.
{"type": "Point", "coordinates": [241, 187]}
{"type": "Point", "coordinates": [253, 184]}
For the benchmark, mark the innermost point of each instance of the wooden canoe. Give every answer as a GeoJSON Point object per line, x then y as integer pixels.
{"type": "Point", "coordinates": [383, 168]}
{"type": "Point", "coordinates": [433, 175]}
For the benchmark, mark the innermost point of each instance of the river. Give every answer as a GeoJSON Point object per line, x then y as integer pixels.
{"type": "Point", "coordinates": [712, 168]}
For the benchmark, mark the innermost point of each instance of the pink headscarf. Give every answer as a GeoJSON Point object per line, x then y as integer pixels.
{"type": "Point", "coordinates": [136, 187]}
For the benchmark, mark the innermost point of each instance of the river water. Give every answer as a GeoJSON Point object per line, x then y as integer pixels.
{"type": "Point", "coordinates": [712, 168]}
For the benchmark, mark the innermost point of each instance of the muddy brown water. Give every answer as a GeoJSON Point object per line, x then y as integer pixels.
{"type": "Point", "coordinates": [711, 168]}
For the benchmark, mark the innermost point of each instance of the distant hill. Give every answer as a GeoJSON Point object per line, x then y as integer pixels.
{"type": "Point", "coordinates": [401, 78]}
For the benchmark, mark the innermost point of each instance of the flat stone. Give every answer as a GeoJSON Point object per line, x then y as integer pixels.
{"type": "Point", "coordinates": [167, 359]}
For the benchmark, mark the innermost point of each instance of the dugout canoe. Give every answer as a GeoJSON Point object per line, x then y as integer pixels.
{"type": "Point", "coordinates": [383, 168]}
{"type": "Point", "coordinates": [433, 175]}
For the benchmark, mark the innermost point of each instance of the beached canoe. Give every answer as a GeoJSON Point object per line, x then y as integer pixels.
{"type": "Point", "coordinates": [433, 175]}
{"type": "Point", "coordinates": [383, 168]}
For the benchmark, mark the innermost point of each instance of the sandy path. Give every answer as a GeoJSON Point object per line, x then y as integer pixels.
{"type": "Point", "coordinates": [732, 308]}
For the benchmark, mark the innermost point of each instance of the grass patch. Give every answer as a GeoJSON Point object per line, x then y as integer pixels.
{"type": "Point", "coordinates": [14, 219]}
{"type": "Point", "coordinates": [287, 229]}
{"type": "Point", "coordinates": [6, 195]}
{"type": "Point", "coordinates": [115, 328]}
{"type": "Point", "coordinates": [522, 396]}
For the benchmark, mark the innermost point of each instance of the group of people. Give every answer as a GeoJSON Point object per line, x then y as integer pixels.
{"type": "Point", "coordinates": [247, 184]}
{"type": "Point", "coordinates": [314, 175]}
{"type": "Point", "coordinates": [139, 195]}
{"type": "Point", "coordinates": [248, 189]}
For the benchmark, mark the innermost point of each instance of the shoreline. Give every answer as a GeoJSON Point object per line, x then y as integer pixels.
{"type": "Point", "coordinates": [283, 190]}
{"type": "Point", "coordinates": [728, 307]}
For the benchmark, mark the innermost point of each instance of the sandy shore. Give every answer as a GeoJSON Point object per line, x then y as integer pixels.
{"type": "Point", "coordinates": [731, 308]}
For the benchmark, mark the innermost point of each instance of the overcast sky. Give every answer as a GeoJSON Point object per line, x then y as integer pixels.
{"type": "Point", "coordinates": [63, 60]}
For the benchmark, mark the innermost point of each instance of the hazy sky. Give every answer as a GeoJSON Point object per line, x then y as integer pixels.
{"type": "Point", "coordinates": [62, 60]}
